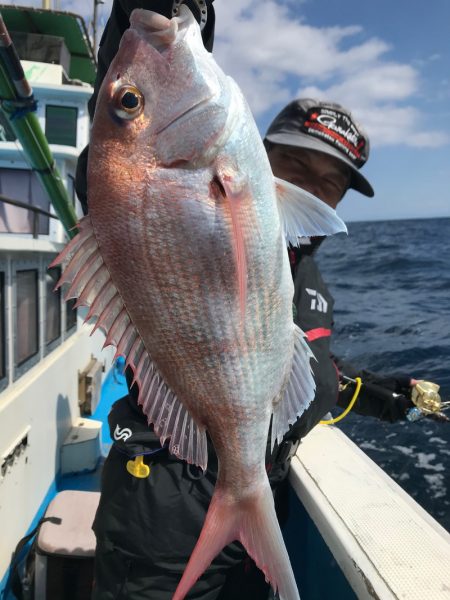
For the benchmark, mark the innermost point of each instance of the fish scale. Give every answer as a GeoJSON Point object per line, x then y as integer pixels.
{"type": "Point", "coordinates": [186, 231]}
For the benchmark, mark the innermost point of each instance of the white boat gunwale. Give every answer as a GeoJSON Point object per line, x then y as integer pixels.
{"type": "Point", "coordinates": [386, 544]}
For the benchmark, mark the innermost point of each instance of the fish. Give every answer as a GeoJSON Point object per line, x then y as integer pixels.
{"type": "Point", "coordinates": [182, 263]}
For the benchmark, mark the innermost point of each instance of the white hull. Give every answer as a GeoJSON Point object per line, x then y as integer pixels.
{"type": "Point", "coordinates": [41, 408]}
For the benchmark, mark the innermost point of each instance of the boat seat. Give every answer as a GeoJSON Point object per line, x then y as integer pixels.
{"type": "Point", "coordinates": [66, 547]}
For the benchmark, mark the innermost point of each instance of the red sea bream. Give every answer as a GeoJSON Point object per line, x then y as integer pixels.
{"type": "Point", "coordinates": [182, 262]}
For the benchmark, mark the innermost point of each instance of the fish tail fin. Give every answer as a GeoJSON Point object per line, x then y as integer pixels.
{"type": "Point", "coordinates": [254, 523]}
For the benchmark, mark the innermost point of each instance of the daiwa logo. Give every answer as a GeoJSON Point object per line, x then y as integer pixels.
{"type": "Point", "coordinates": [122, 434]}
{"type": "Point", "coordinates": [318, 302]}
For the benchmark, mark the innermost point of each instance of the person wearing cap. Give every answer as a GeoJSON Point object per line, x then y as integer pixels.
{"type": "Point", "coordinates": [320, 147]}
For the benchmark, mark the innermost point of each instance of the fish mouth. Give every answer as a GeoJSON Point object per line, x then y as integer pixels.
{"type": "Point", "coordinates": [158, 30]}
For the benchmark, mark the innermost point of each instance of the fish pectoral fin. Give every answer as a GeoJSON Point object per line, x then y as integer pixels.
{"type": "Point", "coordinates": [304, 215]}
{"type": "Point", "coordinates": [236, 193]}
{"type": "Point", "coordinates": [299, 391]}
{"type": "Point", "coordinates": [90, 282]}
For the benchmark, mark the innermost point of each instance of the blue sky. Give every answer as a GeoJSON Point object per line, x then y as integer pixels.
{"type": "Point", "coordinates": [387, 61]}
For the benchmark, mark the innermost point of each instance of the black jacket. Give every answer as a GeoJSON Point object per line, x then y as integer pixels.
{"type": "Point", "coordinates": [314, 315]}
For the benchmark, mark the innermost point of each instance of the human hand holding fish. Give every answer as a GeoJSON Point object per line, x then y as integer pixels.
{"type": "Point", "coordinates": [182, 263]}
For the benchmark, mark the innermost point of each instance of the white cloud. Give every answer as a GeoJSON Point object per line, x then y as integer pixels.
{"type": "Point", "coordinates": [274, 55]}
{"type": "Point", "coordinates": [373, 94]}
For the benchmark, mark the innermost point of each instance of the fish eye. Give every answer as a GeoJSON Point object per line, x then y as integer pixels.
{"type": "Point", "coordinates": [128, 102]}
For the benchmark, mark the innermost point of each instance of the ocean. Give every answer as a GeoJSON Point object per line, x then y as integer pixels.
{"type": "Point", "coordinates": [391, 284]}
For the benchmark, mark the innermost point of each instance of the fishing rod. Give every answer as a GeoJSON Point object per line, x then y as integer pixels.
{"type": "Point", "coordinates": [424, 395]}
{"type": "Point", "coordinates": [18, 104]}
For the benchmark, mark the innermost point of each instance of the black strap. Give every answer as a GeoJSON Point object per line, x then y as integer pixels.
{"type": "Point", "coordinates": [14, 580]}
{"type": "Point", "coordinates": [286, 451]}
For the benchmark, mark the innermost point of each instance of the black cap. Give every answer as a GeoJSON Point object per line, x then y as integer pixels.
{"type": "Point", "coordinates": [324, 127]}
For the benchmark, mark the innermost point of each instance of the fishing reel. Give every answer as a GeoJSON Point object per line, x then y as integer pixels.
{"type": "Point", "coordinates": [427, 402]}
{"type": "Point", "coordinates": [424, 395]}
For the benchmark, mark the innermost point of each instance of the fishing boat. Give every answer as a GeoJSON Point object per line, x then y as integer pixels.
{"type": "Point", "coordinates": [352, 532]}
{"type": "Point", "coordinates": [51, 370]}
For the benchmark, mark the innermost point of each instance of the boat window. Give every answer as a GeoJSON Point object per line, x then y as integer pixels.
{"type": "Point", "coordinates": [27, 309]}
{"type": "Point", "coordinates": [2, 327]}
{"type": "Point", "coordinates": [71, 314]}
{"type": "Point", "coordinates": [61, 124]}
{"type": "Point", "coordinates": [22, 185]}
{"type": "Point", "coordinates": [6, 132]}
{"type": "Point", "coordinates": [52, 306]}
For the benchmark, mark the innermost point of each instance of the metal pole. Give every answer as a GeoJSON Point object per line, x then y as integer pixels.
{"type": "Point", "coordinates": [94, 27]}
{"type": "Point", "coordinates": [94, 24]}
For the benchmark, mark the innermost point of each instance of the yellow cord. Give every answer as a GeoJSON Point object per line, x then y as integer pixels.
{"type": "Point", "coordinates": [349, 407]}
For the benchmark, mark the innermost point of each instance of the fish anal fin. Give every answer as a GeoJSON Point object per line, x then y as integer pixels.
{"type": "Point", "coordinates": [90, 282]}
{"type": "Point", "coordinates": [304, 215]}
{"type": "Point", "coordinates": [171, 419]}
{"type": "Point", "coordinates": [299, 391]}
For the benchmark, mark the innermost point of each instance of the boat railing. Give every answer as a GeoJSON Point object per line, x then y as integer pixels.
{"type": "Point", "coordinates": [387, 546]}
{"type": "Point", "coordinates": [37, 212]}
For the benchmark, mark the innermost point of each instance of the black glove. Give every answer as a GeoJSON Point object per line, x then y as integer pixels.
{"type": "Point", "coordinates": [385, 397]}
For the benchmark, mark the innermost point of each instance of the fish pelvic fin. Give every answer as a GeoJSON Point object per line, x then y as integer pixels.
{"type": "Point", "coordinates": [254, 523]}
{"type": "Point", "coordinates": [88, 279]}
{"type": "Point", "coordinates": [299, 390]}
{"type": "Point", "coordinates": [304, 215]}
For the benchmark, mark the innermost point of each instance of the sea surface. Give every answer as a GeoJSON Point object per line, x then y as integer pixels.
{"type": "Point", "coordinates": [391, 284]}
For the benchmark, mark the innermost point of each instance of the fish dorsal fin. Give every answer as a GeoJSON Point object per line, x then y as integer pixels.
{"type": "Point", "coordinates": [299, 391]}
{"type": "Point", "coordinates": [90, 282]}
{"type": "Point", "coordinates": [304, 215]}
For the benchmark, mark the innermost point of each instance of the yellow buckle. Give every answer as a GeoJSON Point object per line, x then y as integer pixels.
{"type": "Point", "coordinates": [138, 468]}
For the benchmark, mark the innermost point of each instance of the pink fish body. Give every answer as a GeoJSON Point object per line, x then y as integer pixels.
{"type": "Point", "coordinates": [182, 261]}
